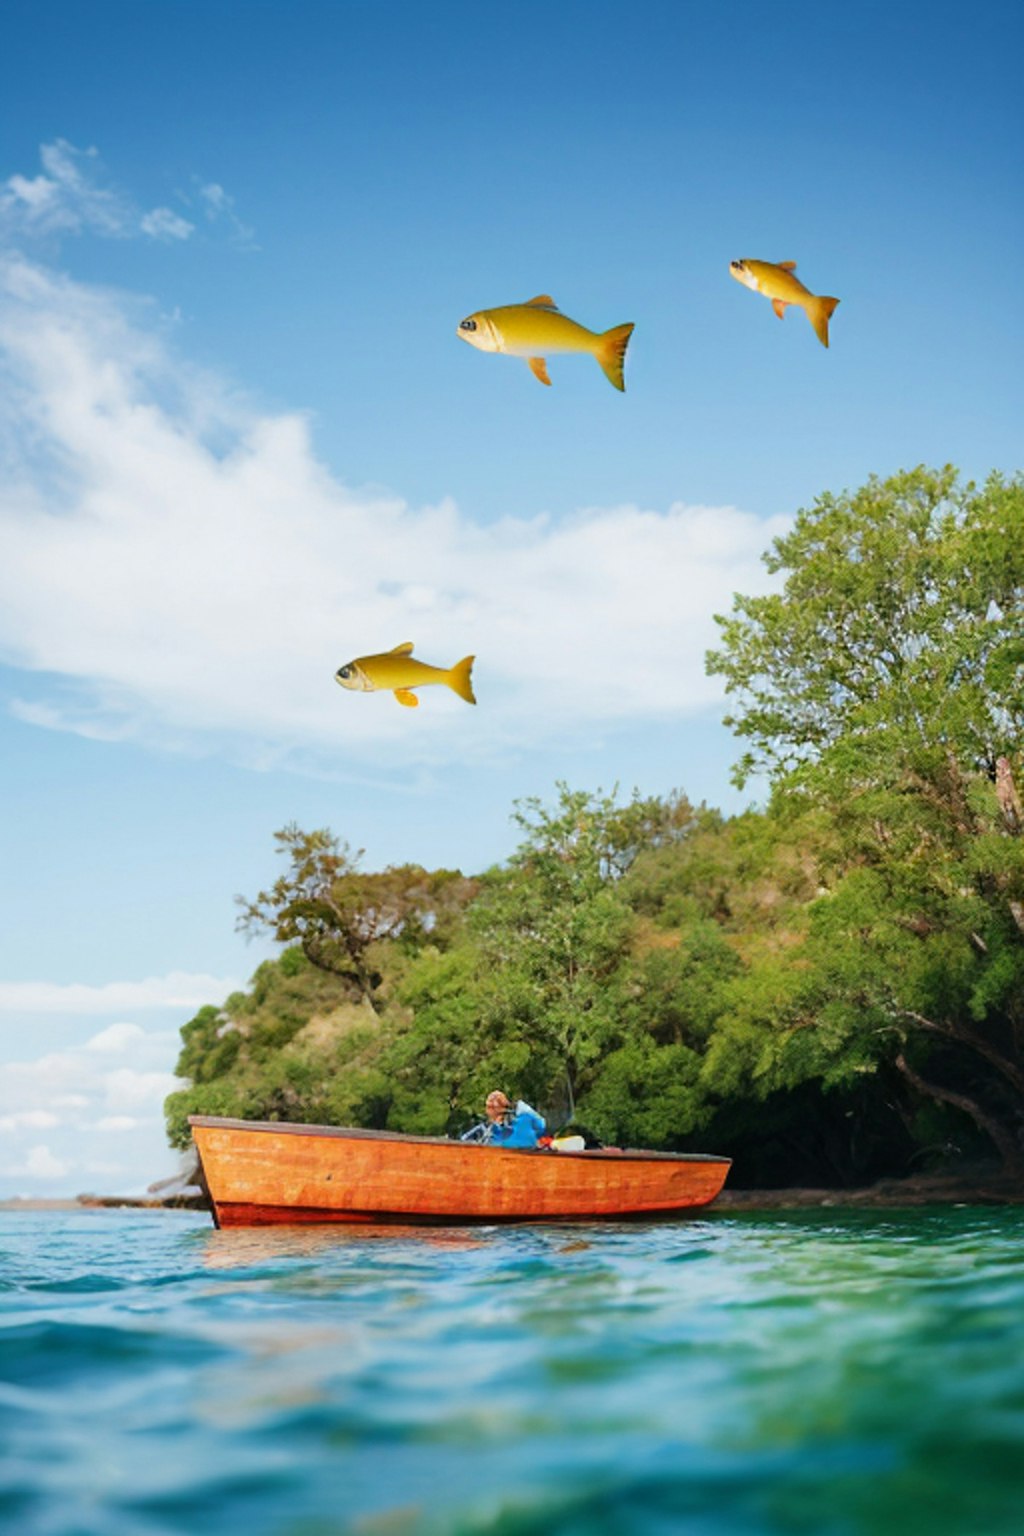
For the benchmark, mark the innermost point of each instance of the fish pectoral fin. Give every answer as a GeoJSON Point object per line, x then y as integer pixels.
{"type": "Point", "coordinates": [787, 266]}
{"type": "Point", "coordinates": [405, 649]}
{"type": "Point", "coordinates": [407, 697]}
{"type": "Point", "coordinates": [542, 301]}
{"type": "Point", "coordinates": [539, 369]}
{"type": "Point", "coordinates": [780, 306]}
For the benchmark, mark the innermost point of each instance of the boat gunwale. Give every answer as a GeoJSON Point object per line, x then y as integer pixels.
{"type": "Point", "coordinates": [346, 1132]}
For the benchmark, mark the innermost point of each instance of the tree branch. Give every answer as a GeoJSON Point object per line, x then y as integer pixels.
{"type": "Point", "coordinates": [1008, 797]}
{"type": "Point", "coordinates": [1004, 1141]}
{"type": "Point", "coordinates": [967, 1037]}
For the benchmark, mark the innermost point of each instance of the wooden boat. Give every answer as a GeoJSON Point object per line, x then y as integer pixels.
{"type": "Point", "coordinates": [258, 1172]}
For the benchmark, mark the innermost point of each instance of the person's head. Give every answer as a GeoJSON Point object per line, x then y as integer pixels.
{"type": "Point", "coordinates": [497, 1105]}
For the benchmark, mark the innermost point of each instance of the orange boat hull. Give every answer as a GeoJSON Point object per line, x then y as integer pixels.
{"type": "Point", "coordinates": [259, 1172]}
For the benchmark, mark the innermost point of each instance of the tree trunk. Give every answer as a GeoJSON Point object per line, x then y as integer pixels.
{"type": "Point", "coordinates": [1013, 820]}
{"type": "Point", "coordinates": [355, 973]}
{"type": "Point", "coordinates": [966, 1037]}
{"type": "Point", "coordinates": [1005, 1142]}
{"type": "Point", "coordinates": [1009, 799]}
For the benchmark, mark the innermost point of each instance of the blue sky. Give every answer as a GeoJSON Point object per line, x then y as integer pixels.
{"type": "Point", "coordinates": [241, 443]}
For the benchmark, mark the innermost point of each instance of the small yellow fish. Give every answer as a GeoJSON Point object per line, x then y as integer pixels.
{"type": "Point", "coordinates": [778, 283]}
{"type": "Point", "coordinates": [396, 670]}
{"type": "Point", "coordinates": [537, 328]}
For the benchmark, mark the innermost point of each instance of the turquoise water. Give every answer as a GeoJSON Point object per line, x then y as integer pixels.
{"type": "Point", "coordinates": [823, 1373]}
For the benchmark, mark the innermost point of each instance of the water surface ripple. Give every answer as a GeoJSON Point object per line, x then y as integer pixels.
{"type": "Point", "coordinates": [829, 1373]}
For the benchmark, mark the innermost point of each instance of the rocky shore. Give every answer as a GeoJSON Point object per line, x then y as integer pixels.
{"type": "Point", "coordinates": [190, 1202]}
{"type": "Point", "coordinates": [986, 1185]}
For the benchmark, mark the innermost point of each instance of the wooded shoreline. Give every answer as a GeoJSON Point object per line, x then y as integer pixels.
{"type": "Point", "coordinates": [829, 990]}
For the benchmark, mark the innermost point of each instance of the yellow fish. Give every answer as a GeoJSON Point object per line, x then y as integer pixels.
{"type": "Point", "coordinates": [396, 670]}
{"type": "Point", "coordinates": [537, 328]}
{"type": "Point", "coordinates": [778, 283]}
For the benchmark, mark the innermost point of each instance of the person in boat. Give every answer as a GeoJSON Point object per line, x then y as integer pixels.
{"type": "Point", "coordinates": [520, 1128]}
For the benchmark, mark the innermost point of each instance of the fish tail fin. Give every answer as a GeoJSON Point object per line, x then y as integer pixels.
{"type": "Point", "coordinates": [819, 312]}
{"type": "Point", "coordinates": [459, 679]}
{"type": "Point", "coordinates": [611, 352]}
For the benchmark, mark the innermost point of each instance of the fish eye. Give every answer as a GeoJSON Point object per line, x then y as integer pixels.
{"type": "Point", "coordinates": [344, 672]}
{"type": "Point", "coordinates": [467, 325]}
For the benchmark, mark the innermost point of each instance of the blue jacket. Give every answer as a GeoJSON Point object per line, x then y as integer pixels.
{"type": "Point", "coordinates": [521, 1131]}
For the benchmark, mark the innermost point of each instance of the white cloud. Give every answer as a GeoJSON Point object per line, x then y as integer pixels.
{"type": "Point", "coordinates": [68, 197]}
{"type": "Point", "coordinates": [178, 989]}
{"type": "Point", "coordinates": [215, 198]}
{"type": "Point", "coordinates": [73, 194]}
{"type": "Point", "coordinates": [34, 196]}
{"type": "Point", "coordinates": [123, 461]}
{"type": "Point", "coordinates": [115, 1037]}
{"type": "Point", "coordinates": [127, 1088]}
{"type": "Point", "coordinates": [28, 1120]}
{"type": "Point", "coordinates": [105, 1168]}
{"type": "Point", "coordinates": [113, 1084]}
{"type": "Point", "coordinates": [40, 1164]}
{"type": "Point", "coordinates": [34, 1087]}
{"type": "Point", "coordinates": [165, 224]}
{"type": "Point", "coordinates": [220, 206]}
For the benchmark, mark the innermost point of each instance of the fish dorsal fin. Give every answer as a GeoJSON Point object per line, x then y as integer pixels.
{"type": "Point", "coordinates": [405, 649]}
{"type": "Point", "coordinates": [787, 266]}
{"type": "Point", "coordinates": [542, 301]}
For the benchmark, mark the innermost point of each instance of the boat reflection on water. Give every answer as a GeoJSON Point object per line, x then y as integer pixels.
{"type": "Point", "coordinates": [242, 1247]}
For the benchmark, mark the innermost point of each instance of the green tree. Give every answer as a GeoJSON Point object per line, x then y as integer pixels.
{"type": "Point", "coordinates": [336, 912]}
{"type": "Point", "coordinates": [897, 638]}
{"type": "Point", "coordinates": [439, 1057]}
{"type": "Point", "coordinates": [884, 683]}
{"type": "Point", "coordinates": [210, 1044]}
{"type": "Point", "coordinates": [553, 929]}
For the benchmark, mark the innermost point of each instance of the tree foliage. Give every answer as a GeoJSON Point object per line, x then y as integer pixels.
{"type": "Point", "coordinates": [336, 912]}
{"type": "Point", "coordinates": [885, 684]}
{"type": "Point", "coordinates": [896, 640]}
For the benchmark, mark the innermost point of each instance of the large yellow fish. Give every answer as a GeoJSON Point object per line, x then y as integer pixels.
{"type": "Point", "coordinates": [396, 670]}
{"type": "Point", "coordinates": [778, 283]}
{"type": "Point", "coordinates": [537, 329]}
